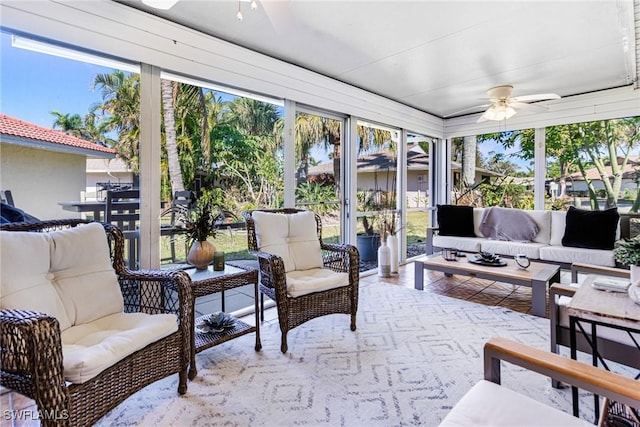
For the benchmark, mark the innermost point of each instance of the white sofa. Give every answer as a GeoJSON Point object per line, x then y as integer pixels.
{"type": "Point", "coordinates": [546, 246]}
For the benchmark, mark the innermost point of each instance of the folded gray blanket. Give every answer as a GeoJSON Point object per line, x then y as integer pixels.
{"type": "Point", "coordinates": [508, 224]}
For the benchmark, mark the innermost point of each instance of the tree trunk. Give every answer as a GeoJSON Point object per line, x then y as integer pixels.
{"type": "Point", "coordinates": [469, 160]}
{"type": "Point", "coordinates": [175, 173]}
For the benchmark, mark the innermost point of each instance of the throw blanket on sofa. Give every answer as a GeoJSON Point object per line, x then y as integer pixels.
{"type": "Point", "coordinates": [508, 224]}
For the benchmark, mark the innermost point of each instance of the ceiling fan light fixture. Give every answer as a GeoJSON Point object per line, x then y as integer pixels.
{"type": "Point", "coordinates": [160, 4]}
{"type": "Point", "coordinates": [254, 5]}
{"type": "Point", "coordinates": [497, 113]}
{"type": "Point", "coordinates": [239, 14]}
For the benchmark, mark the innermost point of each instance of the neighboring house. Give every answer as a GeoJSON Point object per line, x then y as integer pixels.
{"type": "Point", "coordinates": [377, 170]}
{"type": "Point", "coordinates": [42, 166]}
{"type": "Point", "coordinates": [107, 173]}
{"type": "Point", "coordinates": [576, 184]}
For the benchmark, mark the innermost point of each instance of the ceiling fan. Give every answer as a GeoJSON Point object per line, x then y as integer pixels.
{"type": "Point", "coordinates": [504, 106]}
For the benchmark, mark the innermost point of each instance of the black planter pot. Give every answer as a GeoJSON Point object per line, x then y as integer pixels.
{"type": "Point", "coordinates": [368, 245]}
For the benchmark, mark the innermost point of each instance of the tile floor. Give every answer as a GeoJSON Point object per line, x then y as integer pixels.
{"type": "Point", "coordinates": [517, 298]}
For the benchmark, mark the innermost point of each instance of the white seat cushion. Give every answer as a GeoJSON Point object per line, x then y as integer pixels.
{"type": "Point", "coordinates": [83, 274]}
{"type": "Point", "coordinates": [25, 278]}
{"type": "Point", "coordinates": [466, 244]}
{"type": "Point", "coordinates": [488, 404]}
{"type": "Point", "coordinates": [90, 348]}
{"type": "Point", "coordinates": [302, 282]}
{"type": "Point", "coordinates": [570, 255]}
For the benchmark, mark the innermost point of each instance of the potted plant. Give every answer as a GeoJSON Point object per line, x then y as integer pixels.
{"type": "Point", "coordinates": [197, 225]}
{"type": "Point", "coordinates": [628, 253]}
{"type": "Point", "coordinates": [369, 240]}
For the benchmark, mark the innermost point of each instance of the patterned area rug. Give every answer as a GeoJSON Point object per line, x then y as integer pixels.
{"type": "Point", "coordinates": [412, 357]}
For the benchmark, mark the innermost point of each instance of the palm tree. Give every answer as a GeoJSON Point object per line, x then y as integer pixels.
{"type": "Point", "coordinates": [169, 92]}
{"type": "Point", "coordinates": [120, 110]}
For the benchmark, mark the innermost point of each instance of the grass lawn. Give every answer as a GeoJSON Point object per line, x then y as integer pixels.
{"type": "Point", "coordinates": [234, 241]}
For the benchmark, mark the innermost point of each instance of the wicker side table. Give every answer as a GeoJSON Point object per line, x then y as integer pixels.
{"type": "Point", "coordinates": [207, 282]}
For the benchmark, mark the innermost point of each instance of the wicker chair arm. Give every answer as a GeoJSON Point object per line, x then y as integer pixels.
{"type": "Point", "coordinates": [32, 354]}
{"type": "Point", "coordinates": [272, 272]}
{"type": "Point", "coordinates": [158, 291]}
{"type": "Point", "coordinates": [340, 257]}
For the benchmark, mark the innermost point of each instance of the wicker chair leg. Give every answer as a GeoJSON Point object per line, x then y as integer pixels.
{"type": "Point", "coordinates": [261, 306]}
{"type": "Point", "coordinates": [353, 321]}
{"type": "Point", "coordinates": [283, 342]}
{"type": "Point", "coordinates": [182, 385]}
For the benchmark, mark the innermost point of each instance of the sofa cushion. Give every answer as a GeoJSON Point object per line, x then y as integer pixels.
{"type": "Point", "coordinates": [466, 244]}
{"type": "Point", "coordinates": [90, 348]}
{"type": "Point", "coordinates": [83, 274]}
{"type": "Point", "coordinates": [543, 220]}
{"type": "Point", "coordinates": [293, 237]}
{"type": "Point", "coordinates": [478, 213]}
{"type": "Point", "coordinates": [455, 220]}
{"type": "Point", "coordinates": [489, 404]}
{"type": "Point", "coordinates": [591, 229]}
{"type": "Point", "coordinates": [558, 224]}
{"type": "Point", "coordinates": [24, 274]}
{"type": "Point", "coordinates": [569, 255]}
{"type": "Point", "coordinates": [302, 282]}
{"type": "Point", "coordinates": [501, 247]}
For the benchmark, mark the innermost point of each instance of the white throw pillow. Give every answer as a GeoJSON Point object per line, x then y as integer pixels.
{"type": "Point", "coordinates": [272, 231]}
{"type": "Point", "coordinates": [26, 283]}
{"type": "Point", "coordinates": [304, 245]}
{"type": "Point", "coordinates": [83, 274]}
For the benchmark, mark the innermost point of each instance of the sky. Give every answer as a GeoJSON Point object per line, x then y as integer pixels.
{"type": "Point", "coordinates": [34, 84]}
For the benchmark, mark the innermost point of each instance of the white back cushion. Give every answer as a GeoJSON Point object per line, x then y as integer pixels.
{"type": "Point", "coordinates": [304, 245]}
{"type": "Point", "coordinates": [558, 224]}
{"type": "Point", "coordinates": [543, 219]}
{"type": "Point", "coordinates": [477, 220]}
{"type": "Point", "coordinates": [83, 274]}
{"type": "Point", "coordinates": [25, 280]}
{"type": "Point", "coordinates": [290, 236]}
{"type": "Point", "coordinates": [272, 231]}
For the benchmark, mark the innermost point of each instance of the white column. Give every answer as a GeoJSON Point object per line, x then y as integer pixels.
{"type": "Point", "coordinates": [289, 138]}
{"type": "Point", "coordinates": [150, 118]}
{"type": "Point", "coordinates": [540, 167]}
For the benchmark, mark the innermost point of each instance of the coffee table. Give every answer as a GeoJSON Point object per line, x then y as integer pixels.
{"type": "Point", "coordinates": [539, 276]}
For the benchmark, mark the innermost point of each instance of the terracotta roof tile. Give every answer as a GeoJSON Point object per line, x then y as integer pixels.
{"type": "Point", "coordinates": [18, 128]}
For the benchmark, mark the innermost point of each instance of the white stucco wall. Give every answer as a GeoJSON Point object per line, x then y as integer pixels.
{"type": "Point", "coordinates": [39, 179]}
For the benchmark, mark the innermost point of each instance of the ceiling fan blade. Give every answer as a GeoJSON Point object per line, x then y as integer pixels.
{"type": "Point", "coordinates": [468, 110]}
{"type": "Point", "coordinates": [529, 107]}
{"type": "Point", "coordinates": [536, 97]}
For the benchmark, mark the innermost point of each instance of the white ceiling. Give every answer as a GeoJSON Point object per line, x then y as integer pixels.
{"type": "Point", "coordinates": [437, 56]}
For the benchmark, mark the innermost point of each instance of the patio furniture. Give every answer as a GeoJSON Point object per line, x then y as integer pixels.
{"type": "Point", "coordinates": [489, 403]}
{"type": "Point", "coordinates": [611, 344]}
{"type": "Point", "coordinates": [538, 276]}
{"type": "Point", "coordinates": [306, 277]}
{"type": "Point", "coordinates": [6, 197]}
{"type": "Point", "coordinates": [65, 290]}
{"type": "Point", "coordinates": [183, 201]}
{"type": "Point", "coordinates": [122, 209]}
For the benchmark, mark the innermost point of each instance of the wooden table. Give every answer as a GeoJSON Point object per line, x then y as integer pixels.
{"type": "Point", "coordinates": [538, 276]}
{"type": "Point", "coordinates": [207, 282]}
{"type": "Point", "coordinates": [595, 308]}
